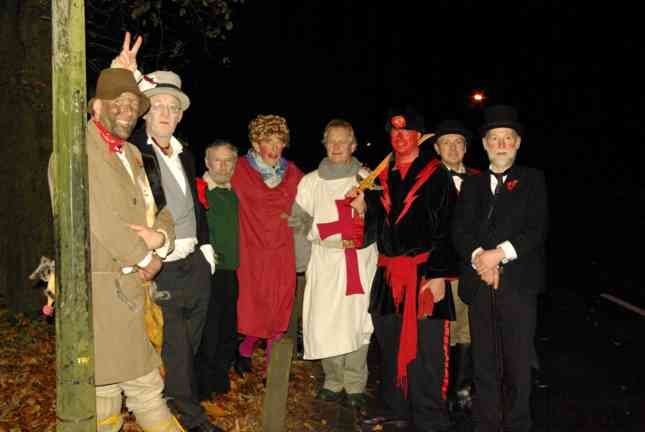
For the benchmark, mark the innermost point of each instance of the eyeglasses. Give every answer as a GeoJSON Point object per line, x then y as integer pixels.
{"type": "Point", "coordinates": [161, 107]}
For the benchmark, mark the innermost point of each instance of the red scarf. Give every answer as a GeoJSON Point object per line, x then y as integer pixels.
{"type": "Point", "coordinates": [401, 274]}
{"type": "Point", "coordinates": [115, 143]}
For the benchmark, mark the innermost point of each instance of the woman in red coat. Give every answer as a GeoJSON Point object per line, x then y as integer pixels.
{"type": "Point", "coordinates": [266, 186]}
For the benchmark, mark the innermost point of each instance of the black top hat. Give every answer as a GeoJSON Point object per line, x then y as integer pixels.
{"type": "Point", "coordinates": [451, 127]}
{"type": "Point", "coordinates": [406, 118]}
{"type": "Point", "coordinates": [501, 116]}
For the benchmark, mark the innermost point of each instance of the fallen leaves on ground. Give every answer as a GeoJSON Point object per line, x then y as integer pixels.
{"type": "Point", "coordinates": [28, 386]}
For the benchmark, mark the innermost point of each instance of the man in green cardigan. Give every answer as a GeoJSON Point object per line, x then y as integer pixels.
{"type": "Point", "coordinates": [219, 342]}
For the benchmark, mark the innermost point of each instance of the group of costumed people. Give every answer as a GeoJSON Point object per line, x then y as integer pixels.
{"type": "Point", "coordinates": [394, 257]}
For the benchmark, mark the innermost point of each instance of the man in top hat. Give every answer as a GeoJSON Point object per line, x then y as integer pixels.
{"type": "Point", "coordinates": [120, 211]}
{"type": "Point", "coordinates": [499, 230]}
{"type": "Point", "coordinates": [410, 305]}
{"type": "Point", "coordinates": [186, 276]}
{"type": "Point", "coordinates": [451, 140]}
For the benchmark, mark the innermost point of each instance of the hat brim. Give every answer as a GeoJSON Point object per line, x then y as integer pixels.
{"type": "Point", "coordinates": [512, 125]}
{"type": "Point", "coordinates": [144, 104]}
{"type": "Point", "coordinates": [181, 96]}
{"type": "Point", "coordinates": [468, 136]}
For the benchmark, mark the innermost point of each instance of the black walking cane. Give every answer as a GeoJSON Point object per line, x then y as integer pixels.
{"type": "Point", "coordinates": [499, 352]}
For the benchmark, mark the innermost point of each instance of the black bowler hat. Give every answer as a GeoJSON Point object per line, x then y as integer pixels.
{"type": "Point", "coordinates": [501, 116]}
{"type": "Point", "coordinates": [406, 118]}
{"type": "Point", "coordinates": [451, 127]}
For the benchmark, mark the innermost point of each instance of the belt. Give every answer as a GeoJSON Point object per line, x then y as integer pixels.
{"type": "Point", "coordinates": [335, 244]}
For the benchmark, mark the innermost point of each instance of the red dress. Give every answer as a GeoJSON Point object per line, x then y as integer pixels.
{"type": "Point", "coordinates": [267, 272]}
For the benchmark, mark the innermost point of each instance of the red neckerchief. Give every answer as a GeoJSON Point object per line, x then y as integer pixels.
{"type": "Point", "coordinates": [115, 143]}
{"type": "Point", "coordinates": [165, 150]}
{"type": "Point", "coordinates": [401, 275]}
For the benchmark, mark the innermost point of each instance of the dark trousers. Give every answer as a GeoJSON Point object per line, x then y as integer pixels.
{"type": "Point", "coordinates": [219, 342]}
{"type": "Point", "coordinates": [515, 316]}
{"type": "Point", "coordinates": [424, 405]}
{"type": "Point", "coordinates": [188, 283]}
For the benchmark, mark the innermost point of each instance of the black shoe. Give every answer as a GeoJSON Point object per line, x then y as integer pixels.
{"type": "Point", "coordinates": [243, 365]}
{"type": "Point", "coordinates": [206, 427]}
{"type": "Point", "coordinates": [328, 395]}
{"type": "Point", "coordinates": [356, 400]}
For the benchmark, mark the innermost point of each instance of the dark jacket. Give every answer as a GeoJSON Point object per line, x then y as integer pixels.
{"type": "Point", "coordinates": [409, 217]}
{"type": "Point", "coordinates": [519, 215]}
{"type": "Point", "coordinates": [151, 165]}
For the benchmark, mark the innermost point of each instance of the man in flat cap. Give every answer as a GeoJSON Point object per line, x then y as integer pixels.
{"type": "Point", "coordinates": [410, 305]}
{"type": "Point", "coordinates": [126, 233]}
{"type": "Point", "coordinates": [499, 230]}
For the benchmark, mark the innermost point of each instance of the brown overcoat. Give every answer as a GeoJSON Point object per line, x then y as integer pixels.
{"type": "Point", "coordinates": [123, 351]}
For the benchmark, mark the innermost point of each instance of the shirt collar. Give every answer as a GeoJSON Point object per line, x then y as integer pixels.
{"type": "Point", "coordinates": [177, 148]}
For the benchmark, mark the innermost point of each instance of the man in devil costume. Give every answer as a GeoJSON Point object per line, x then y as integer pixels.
{"type": "Point", "coordinates": [410, 304]}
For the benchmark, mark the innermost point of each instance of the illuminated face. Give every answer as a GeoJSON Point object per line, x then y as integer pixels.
{"type": "Point", "coordinates": [501, 144]}
{"type": "Point", "coordinates": [220, 162]}
{"type": "Point", "coordinates": [451, 148]}
{"type": "Point", "coordinates": [270, 149]}
{"type": "Point", "coordinates": [339, 145]}
{"type": "Point", "coordinates": [405, 142]}
{"type": "Point", "coordinates": [163, 117]}
{"type": "Point", "coordinates": [119, 116]}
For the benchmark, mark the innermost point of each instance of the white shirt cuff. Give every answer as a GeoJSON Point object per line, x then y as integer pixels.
{"type": "Point", "coordinates": [474, 254]}
{"type": "Point", "coordinates": [145, 261]}
{"type": "Point", "coordinates": [164, 250]}
{"type": "Point", "coordinates": [209, 254]}
{"type": "Point", "coordinates": [510, 253]}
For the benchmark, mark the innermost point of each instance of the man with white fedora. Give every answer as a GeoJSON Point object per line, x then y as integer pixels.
{"type": "Point", "coordinates": [186, 275]}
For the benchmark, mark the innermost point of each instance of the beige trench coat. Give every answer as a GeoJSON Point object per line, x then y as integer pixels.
{"type": "Point", "coordinates": [123, 351]}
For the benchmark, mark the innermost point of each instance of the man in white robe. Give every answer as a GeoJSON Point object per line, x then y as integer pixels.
{"type": "Point", "coordinates": [336, 325]}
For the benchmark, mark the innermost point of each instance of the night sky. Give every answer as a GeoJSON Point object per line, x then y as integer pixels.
{"type": "Point", "coordinates": [560, 65]}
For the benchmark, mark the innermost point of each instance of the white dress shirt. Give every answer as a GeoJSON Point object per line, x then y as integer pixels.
{"type": "Point", "coordinates": [510, 253]}
{"type": "Point", "coordinates": [184, 246]}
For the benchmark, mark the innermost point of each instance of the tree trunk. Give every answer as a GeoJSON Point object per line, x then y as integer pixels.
{"type": "Point", "coordinates": [25, 213]}
{"type": "Point", "coordinates": [75, 394]}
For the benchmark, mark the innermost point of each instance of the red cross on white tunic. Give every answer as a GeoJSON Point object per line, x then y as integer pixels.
{"type": "Point", "coordinates": [345, 227]}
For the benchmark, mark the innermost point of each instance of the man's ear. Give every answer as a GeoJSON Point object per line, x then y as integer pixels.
{"type": "Point", "coordinates": [97, 106]}
{"type": "Point", "coordinates": [256, 146]}
{"type": "Point", "coordinates": [181, 115]}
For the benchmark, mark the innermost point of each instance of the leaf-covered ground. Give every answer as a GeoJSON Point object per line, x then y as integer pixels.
{"type": "Point", "coordinates": [28, 386]}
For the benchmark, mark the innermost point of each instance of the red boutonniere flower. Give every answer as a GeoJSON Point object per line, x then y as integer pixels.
{"type": "Point", "coordinates": [398, 121]}
{"type": "Point", "coordinates": [201, 191]}
{"type": "Point", "coordinates": [511, 184]}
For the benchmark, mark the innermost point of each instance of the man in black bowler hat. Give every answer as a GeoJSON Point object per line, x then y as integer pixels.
{"type": "Point", "coordinates": [451, 140]}
{"type": "Point", "coordinates": [499, 230]}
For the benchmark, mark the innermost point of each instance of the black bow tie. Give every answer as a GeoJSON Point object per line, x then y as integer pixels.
{"type": "Point", "coordinates": [500, 179]}
{"type": "Point", "coordinates": [458, 174]}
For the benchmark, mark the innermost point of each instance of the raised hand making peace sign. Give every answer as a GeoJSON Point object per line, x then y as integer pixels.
{"type": "Point", "coordinates": [127, 58]}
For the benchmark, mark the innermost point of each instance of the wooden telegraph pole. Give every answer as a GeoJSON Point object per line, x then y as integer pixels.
{"type": "Point", "coordinates": [75, 393]}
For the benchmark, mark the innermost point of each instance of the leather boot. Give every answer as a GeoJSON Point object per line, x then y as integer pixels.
{"type": "Point", "coordinates": [464, 379]}
{"type": "Point", "coordinates": [451, 397]}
